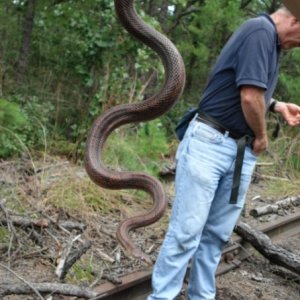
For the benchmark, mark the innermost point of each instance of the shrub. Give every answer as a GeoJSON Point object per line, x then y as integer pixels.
{"type": "Point", "coordinates": [22, 127]}
{"type": "Point", "coordinates": [12, 123]}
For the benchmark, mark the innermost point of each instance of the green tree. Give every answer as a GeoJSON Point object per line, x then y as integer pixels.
{"type": "Point", "coordinates": [75, 60]}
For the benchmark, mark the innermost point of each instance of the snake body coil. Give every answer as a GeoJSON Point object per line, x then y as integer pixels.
{"type": "Point", "coordinates": [149, 109]}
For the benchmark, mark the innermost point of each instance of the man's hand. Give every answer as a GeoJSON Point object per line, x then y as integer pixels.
{"type": "Point", "coordinates": [260, 144]}
{"type": "Point", "coordinates": [289, 111]}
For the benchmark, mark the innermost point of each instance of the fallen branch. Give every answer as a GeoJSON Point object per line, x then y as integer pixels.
{"type": "Point", "coordinates": [69, 256]}
{"type": "Point", "coordinates": [267, 177]}
{"type": "Point", "coordinates": [264, 164]}
{"type": "Point", "coordinates": [274, 208]}
{"type": "Point", "coordinates": [69, 225]}
{"type": "Point", "coordinates": [286, 275]}
{"type": "Point", "coordinates": [66, 225]}
{"type": "Point", "coordinates": [9, 224]}
{"type": "Point", "coordinates": [28, 285]}
{"type": "Point", "coordinates": [264, 245]}
{"type": "Point", "coordinates": [26, 222]}
{"type": "Point", "coordinates": [35, 236]}
{"type": "Point", "coordinates": [104, 256]}
{"type": "Point", "coordinates": [32, 254]}
{"type": "Point", "coordinates": [168, 172]}
{"type": "Point", "coordinates": [46, 288]}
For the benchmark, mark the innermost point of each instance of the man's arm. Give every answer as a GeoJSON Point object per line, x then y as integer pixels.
{"type": "Point", "coordinates": [289, 111]}
{"type": "Point", "coordinates": [253, 106]}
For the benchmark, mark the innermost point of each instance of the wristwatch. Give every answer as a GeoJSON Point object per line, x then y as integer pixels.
{"type": "Point", "coordinates": [272, 105]}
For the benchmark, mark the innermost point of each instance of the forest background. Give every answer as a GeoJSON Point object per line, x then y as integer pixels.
{"type": "Point", "coordinates": [63, 62]}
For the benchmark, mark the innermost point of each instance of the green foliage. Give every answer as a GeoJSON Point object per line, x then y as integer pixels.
{"type": "Point", "coordinates": [81, 272]}
{"type": "Point", "coordinates": [60, 146]}
{"type": "Point", "coordinates": [82, 62]}
{"type": "Point", "coordinates": [21, 128]}
{"type": "Point", "coordinates": [280, 188]}
{"type": "Point", "coordinates": [288, 88]}
{"type": "Point", "coordinates": [12, 122]}
{"type": "Point", "coordinates": [287, 149]}
{"type": "Point", "coordinates": [10, 115]}
{"type": "Point", "coordinates": [138, 150]}
{"type": "Point", "coordinates": [283, 151]}
{"type": "Point", "coordinates": [37, 114]}
{"type": "Point", "coordinates": [75, 194]}
{"type": "Point", "coordinates": [202, 38]}
{"type": "Point", "coordinates": [4, 237]}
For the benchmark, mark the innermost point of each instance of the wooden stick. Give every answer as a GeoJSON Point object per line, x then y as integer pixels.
{"type": "Point", "coordinates": [264, 164]}
{"type": "Point", "coordinates": [104, 256]}
{"type": "Point", "coordinates": [267, 177]}
{"type": "Point", "coordinates": [273, 208]}
{"type": "Point", "coordinates": [286, 275]}
{"type": "Point", "coordinates": [28, 285]}
{"type": "Point", "coordinates": [51, 288]}
{"type": "Point", "coordinates": [11, 228]}
{"type": "Point", "coordinates": [69, 257]}
{"type": "Point", "coordinates": [25, 222]}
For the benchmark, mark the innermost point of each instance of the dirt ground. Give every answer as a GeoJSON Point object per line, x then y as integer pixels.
{"type": "Point", "coordinates": [32, 253]}
{"type": "Point", "coordinates": [258, 279]}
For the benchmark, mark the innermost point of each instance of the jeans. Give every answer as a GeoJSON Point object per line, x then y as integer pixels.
{"type": "Point", "coordinates": [202, 220]}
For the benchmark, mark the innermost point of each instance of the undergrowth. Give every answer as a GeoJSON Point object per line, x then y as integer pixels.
{"type": "Point", "coordinates": [283, 158]}
{"type": "Point", "coordinates": [22, 126]}
{"type": "Point", "coordinates": [4, 236]}
{"type": "Point", "coordinates": [80, 195]}
{"type": "Point", "coordinates": [142, 147]}
{"type": "Point", "coordinates": [54, 184]}
{"type": "Point", "coordinates": [137, 148]}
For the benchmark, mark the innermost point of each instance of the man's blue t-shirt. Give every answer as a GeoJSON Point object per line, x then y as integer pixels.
{"type": "Point", "coordinates": [250, 57]}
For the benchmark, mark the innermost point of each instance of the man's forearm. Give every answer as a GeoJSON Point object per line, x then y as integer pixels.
{"type": "Point", "coordinates": [253, 106]}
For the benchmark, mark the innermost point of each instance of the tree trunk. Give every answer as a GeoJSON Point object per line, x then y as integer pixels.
{"type": "Point", "coordinates": [2, 72]}
{"type": "Point", "coordinates": [26, 39]}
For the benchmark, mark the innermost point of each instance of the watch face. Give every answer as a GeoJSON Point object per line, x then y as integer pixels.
{"type": "Point", "coordinates": [293, 6]}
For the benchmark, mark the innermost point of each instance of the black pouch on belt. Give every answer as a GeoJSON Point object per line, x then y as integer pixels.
{"type": "Point", "coordinates": [184, 122]}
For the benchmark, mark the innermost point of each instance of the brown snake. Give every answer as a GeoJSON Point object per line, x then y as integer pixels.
{"type": "Point", "coordinates": [149, 109]}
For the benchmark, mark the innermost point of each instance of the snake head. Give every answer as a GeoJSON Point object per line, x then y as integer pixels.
{"type": "Point", "coordinates": [137, 253]}
{"type": "Point", "coordinates": [147, 260]}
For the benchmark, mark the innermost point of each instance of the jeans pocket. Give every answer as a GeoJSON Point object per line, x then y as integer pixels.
{"type": "Point", "coordinates": [205, 133]}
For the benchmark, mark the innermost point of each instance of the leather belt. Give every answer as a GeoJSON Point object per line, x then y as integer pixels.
{"type": "Point", "coordinates": [203, 118]}
{"type": "Point", "coordinates": [241, 140]}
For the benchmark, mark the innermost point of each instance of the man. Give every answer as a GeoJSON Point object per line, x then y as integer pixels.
{"type": "Point", "coordinates": [230, 130]}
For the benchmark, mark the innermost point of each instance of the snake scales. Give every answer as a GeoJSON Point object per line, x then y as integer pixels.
{"type": "Point", "coordinates": [149, 109]}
